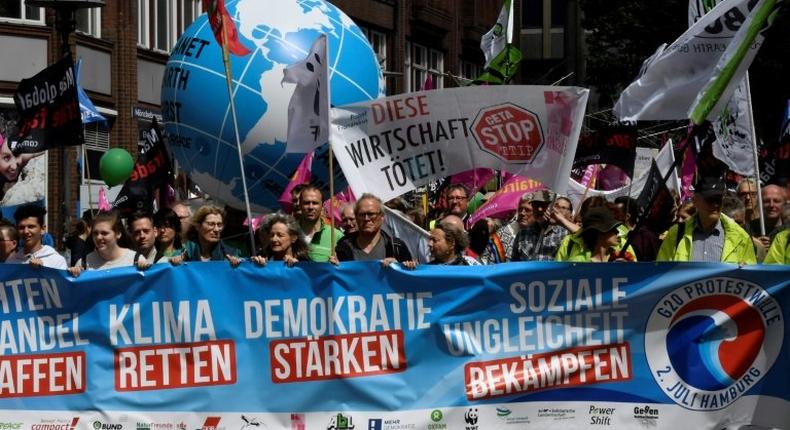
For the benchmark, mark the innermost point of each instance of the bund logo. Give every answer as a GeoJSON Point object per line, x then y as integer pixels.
{"type": "Point", "coordinates": [710, 341]}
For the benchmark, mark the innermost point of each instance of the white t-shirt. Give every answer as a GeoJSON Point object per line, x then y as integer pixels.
{"type": "Point", "coordinates": [95, 262]}
{"type": "Point", "coordinates": [46, 253]}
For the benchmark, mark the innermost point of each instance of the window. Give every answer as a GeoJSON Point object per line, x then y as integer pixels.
{"type": "Point", "coordinates": [161, 22]}
{"type": "Point", "coordinates": [378, 41]}
{"type": "Point", "coordinates": [470, 71]}
{"type": "Point", "coordinates": [188, 13]}
{"type": "Point", "coordinates": [18, 10]}
{"type": "Point", "coordinates": [422, 61]}
{"type": "Point", "coordinates": [89, 21]}
{"type": "Point", "coordinates": [532, 13]}
{"type": "Point", "coordinates": [97, 142]}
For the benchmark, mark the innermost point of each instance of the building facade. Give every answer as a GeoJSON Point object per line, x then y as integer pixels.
{"type": "Point", "coordinates": [124, 46]}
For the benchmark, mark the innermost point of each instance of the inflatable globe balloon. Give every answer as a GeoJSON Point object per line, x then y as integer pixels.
{"type": "Point", "coordinates": [115, 166]}
{"type": "Point", "coordinates": [196, 109]}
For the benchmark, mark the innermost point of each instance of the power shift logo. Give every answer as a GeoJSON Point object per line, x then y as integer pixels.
{"type": "Point", "coordinates": [709, 342]}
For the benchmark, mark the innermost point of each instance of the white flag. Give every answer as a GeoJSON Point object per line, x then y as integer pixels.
{"type": "Point", "coordinates": [308, 110]}
{"type": "Point", "coordinates": [501, 34]}
{"type": "Point", "coordinates": [671, 79]}
{"type": "Point", "coordinates": [414, 236]}
{"type": "Point", "coordinates": [392, 145]}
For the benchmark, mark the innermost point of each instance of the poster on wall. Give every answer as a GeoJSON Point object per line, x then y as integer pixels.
{"type": "Point", "coordinates": [23, 177]}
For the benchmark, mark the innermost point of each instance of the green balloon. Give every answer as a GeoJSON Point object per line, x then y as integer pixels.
{"type": "Point", "coordinates": [116, 166]}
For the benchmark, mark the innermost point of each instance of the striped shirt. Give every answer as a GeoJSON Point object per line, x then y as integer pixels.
{"type": "Point", "coordinates": [707, 246]}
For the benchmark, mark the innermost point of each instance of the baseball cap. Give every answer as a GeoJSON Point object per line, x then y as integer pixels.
{"type": "Point", "coordinates": [710, 186]}
{"type": "Point", "coordinates": [600, 219]}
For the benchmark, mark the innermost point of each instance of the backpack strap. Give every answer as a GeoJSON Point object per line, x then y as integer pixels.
{"type": "Point", "coordinates": [681, 232]}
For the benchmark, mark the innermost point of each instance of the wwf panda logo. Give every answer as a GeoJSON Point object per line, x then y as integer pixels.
{"type": "Point", "coordinates": [471, 416]}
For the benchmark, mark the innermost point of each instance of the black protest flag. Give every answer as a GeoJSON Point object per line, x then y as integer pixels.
{"type": "Point", "coordinates": [655, 203]}
{"type": "Point", "coordinates": [152, 171]}
{"type": "Point", "coordinates": [49, 109]}
{"type": "Point", "coordinates": [614, 144]}
{"type": "Point", "coordinates": [701, 138]}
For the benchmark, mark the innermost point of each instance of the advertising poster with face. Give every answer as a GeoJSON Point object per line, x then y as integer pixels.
{"type": "Point", "coordinates": [23, 177]}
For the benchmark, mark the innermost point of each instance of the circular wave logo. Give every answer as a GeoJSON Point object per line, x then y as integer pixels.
{"type": "Point", "coordinates": [710, 341]}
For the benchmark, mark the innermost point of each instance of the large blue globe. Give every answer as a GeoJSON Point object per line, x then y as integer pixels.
{"type": "Point", "coordinates": [196, 107]}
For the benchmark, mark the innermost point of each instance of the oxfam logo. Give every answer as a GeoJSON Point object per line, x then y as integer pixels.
{"type": "Point", "coordinates": [436, 415]}
{"type": "Point", "coordinates": [710, 341]}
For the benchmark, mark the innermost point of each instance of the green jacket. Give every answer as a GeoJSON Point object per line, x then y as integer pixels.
{"type": "Point", "coordinates": [320, 247]}
{"type": "Point", "coordinates": [738, 246]}
{"type": "Point", "coordinates": [779, 252]}
{"type": "Point", "coordinates": [573, 249]}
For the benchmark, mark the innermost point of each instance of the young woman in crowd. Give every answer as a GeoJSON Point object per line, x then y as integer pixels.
{"type": "Point", "coordinates": [109, 237]}
{"type": "Point", "coordinates": [598, 241]}
{"type": "Point", "coordinates": [203, 238]}
{"type": "Point", "coordinates": [168, 241]}
{"type": "Point", "coordinates": [285, 241]}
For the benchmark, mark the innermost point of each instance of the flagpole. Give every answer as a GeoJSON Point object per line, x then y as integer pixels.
{"type": "Point", "coordinates": [229, 81]}
{"type": "Point", "coordinates": [753, 131]}
{"type": "Point", "coordinates": [331, 150]}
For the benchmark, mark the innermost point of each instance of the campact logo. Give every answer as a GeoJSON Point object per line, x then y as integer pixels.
{"type": "Point", "coordinates": [56, 424]}
{"type": "Point", "coordinates": [710, 341]}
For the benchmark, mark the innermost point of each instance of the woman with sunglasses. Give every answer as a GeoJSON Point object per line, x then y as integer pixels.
{"type": "Point", "coordinates": [204, 241]}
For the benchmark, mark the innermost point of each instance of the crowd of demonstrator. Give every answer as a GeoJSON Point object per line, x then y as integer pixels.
{"type": "Point", "coordinates": [716, 225]}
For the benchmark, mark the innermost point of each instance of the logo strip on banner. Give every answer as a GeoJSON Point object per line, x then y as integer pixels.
{"type": "Point", "coordinates": [569, 345]}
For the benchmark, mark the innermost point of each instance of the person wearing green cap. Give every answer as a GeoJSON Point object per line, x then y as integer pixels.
{"type": "Point", "coordinates": [597, 241]}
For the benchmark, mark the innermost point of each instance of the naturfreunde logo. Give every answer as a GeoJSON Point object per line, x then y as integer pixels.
{"type": "Point", "coordinates": [709, 341]}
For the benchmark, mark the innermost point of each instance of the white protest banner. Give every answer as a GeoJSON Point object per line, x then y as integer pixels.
{"type": "Point", "coordinates": [392, 145]}
{"type": "Point", "coordinates": [733, 127]}
{"type": "Point", "coordinates": [671, 79]}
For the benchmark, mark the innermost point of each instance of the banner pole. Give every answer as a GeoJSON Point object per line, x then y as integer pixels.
{"type": "Point", "coordinates": [229, 81]}
{"type": "Point", "coordinates": [88, 172]}
{"type": "Point", "coordinates": [331, 150]}
{"type": "Point", "coordinates": [753, 131]}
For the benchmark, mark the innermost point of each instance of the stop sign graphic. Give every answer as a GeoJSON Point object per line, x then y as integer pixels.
{"type": "Point", "coordinates": [509, 132]}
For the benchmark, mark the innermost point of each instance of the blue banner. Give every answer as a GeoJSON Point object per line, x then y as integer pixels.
{"type": "Point", "coordinates": [538, 345]}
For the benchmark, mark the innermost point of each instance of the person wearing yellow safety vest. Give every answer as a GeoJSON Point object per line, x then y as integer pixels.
{"type": "Point", "coordinates": [709, 235]}
{"type": "Point", "coordinates": [599, 240]}
{"type": "Point", "coordinates": [779, 252]}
